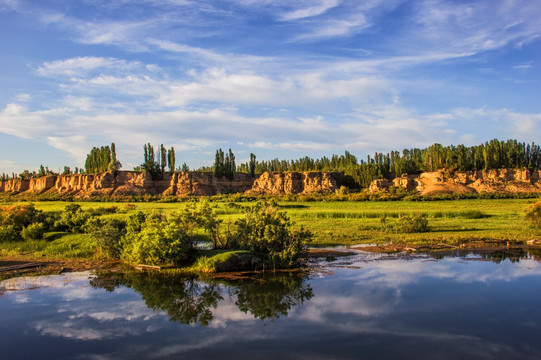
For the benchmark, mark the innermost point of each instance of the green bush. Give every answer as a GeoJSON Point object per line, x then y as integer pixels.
{"type": "Point", "coordinates": [73, 219]}
{"type": "Point", "coordinates": [108, 234]}
{"type": "Point", "coordinates": [33, 231]}
{"type": "Point", "coordinates": [8, 233]}
{"type": "Point", "coordinates": [20, 216]}
{"type": "Point", "coordinates": [533, 214]}
{"type": "Point", "coordinates": [405, 224]}
{"type": "Point", "coordinates": [161, 240]}
{"type": "Point", "coordinates": [265, 230]}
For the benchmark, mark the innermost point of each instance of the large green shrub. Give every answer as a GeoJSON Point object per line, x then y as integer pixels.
{"type": "Point", "coordinates": [161, 240]}
{"type": "Point", "coordinates": [108, 234]}
{"type": "Point", "coordinates": [265, 230]}
{"type": "Point", "coordinates": [9, 233]}
{"type": "Point", "coordinates": [73, 219]}
{"type": "Point", "coordinates": [406, 224]}
{"type": "Point", "coordinates": [533, 214]}
{"type": "Point", "coordinates": [20, 216]}
{"type": "Point", "coordinates": [33, 231]}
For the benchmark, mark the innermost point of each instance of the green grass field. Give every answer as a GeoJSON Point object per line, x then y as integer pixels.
{"type": "Point", "coordinates": [332, 222]}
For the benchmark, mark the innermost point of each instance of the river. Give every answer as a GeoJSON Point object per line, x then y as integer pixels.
{"type": "Point", "coordinates": [365, 306]}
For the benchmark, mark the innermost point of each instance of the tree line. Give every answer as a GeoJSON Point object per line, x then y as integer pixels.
{"type": "Point", "coordinates": [493, 154]}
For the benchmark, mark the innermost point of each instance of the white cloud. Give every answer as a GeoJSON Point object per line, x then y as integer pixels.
{"type": "Point", "coordinates": [477, 27]}
{"type": "Point", "coordinates": [314, 9]}
{"type": "Point", "coordinates": [10, 166]}
{"type": "Point", "coordinates": [17, 120]}
{"type": "Point", "coordinates": [82, 66]}
{"type": "Point", "coordinates": [76, 145]}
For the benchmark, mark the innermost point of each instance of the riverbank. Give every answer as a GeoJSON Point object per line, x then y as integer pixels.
{"type": "Point", "coordinates": [29, 265]}
{"type": "Point", "coordinates": [367, 226]}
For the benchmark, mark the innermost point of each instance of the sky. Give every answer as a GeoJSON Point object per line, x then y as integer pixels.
{"type": "Point", "coordinates": [277, 78]}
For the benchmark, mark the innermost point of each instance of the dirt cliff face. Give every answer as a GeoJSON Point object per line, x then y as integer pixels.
{"type": "Point", "coordinates": [16, 185]}
{"type": "Point", "coordinates": [131, 183]}
{"type": "Point", "coordinates": [499, 180]}
{"type": "Point", "coordinates": [295, 182]}
{"type": "Point", "coordinates": [41, 184]}
{"type": "Point", "coordinates": [126, 183]}
{"type": "Point", "coordinates": [206, 184]}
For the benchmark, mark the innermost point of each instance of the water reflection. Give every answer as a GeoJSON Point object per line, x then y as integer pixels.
{"type": "Point", "coordinates": [513, 254]}
{"type": "Point", "coordinates": [190, 300]}
{"type": "Point", "coordinates": [364, 306]}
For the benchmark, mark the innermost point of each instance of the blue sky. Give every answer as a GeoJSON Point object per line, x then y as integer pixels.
{"type": "Point", "coordinates": [278, 78]}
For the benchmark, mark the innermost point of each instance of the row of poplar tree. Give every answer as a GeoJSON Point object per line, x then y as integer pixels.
{"type": "Point", "coordinates": [492, 154]}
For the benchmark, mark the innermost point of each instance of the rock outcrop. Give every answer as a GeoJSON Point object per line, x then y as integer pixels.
{"type": "Point", "coordinates": [131, 183]}
{"type": "Point", "coordinates": [128, 183]}
{"type": "Point", "coordinates": [296, 183]}
{"type": "Point", "coordinates": [500, 180]}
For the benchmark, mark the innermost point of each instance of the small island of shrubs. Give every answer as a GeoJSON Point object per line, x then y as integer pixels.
{"type": "Point", "coordinates": [263, 238]}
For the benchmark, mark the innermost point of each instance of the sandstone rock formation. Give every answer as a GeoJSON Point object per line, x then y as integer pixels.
{"type": "Point", "coordinates": [500, 180]}
{"type": "Point", "coordinates": [296, 183]}
{"type": "Point", "coordinates": [127, 183]}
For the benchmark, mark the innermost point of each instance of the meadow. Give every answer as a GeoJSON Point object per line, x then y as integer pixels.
{"type": "Point", "coordinates": [332, 223]}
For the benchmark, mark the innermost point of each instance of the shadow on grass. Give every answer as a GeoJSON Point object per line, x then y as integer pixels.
{"type": "Point", "coordinates": [54, 236]}
{"type": "Point", "coordinates": [293, 206]}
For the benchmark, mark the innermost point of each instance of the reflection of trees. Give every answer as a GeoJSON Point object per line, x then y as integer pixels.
{"type": "Point", "coordinates": [497, 256]}
{"type": "Point", "coordinates": [185, 300]}
{"type": "Point", "coordinates": [190, 300]}
{"type": "Point", "coordinates": [271, 296]}
{"type": "Point", "coordinates": [514, 255]}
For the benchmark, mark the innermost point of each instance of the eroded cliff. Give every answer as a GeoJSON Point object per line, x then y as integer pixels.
{"type": "Point", "coordinates": [501, 180]}
{"type": "Point", "coordinates": [296, 182]}
{"type": "Point", "coordinates": [129, 183]}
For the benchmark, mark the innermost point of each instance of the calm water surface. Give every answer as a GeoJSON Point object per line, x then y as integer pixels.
{"type": "Point", "coordinates": [361, 307]}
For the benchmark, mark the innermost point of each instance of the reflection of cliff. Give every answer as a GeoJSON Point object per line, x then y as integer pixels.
{"type": "Point", "coordinates": [188, 300]}
{"type": "Point", "coordinates": [502, 180]}
{"type": "Point", "coordinates": [176, 184]}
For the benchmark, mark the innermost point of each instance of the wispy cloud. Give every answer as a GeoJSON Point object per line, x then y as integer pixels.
{"type": "Point", "coordinates": [477, 27]}
{"type": "Point", "coordinates": [315, 8]}
{"type": "Point", "coordinates": [82, 66]}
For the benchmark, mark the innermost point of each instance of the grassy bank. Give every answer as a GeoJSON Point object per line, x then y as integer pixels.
{"type": "Point", "coordinates": [332, 223]}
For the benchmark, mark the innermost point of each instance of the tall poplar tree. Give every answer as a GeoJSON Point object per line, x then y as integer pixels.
{"type": "Point", "coordinates": [253, 164]}
{"type": "Point", "coordinates": [171, 159]}
{"type": "Point", "coordinates": [163, 158]}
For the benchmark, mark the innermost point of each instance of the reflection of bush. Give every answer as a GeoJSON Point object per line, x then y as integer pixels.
{"type": "Point", "coordinates": [188, 300]}
{"type": "Point", "coordinates": [273, 296]}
